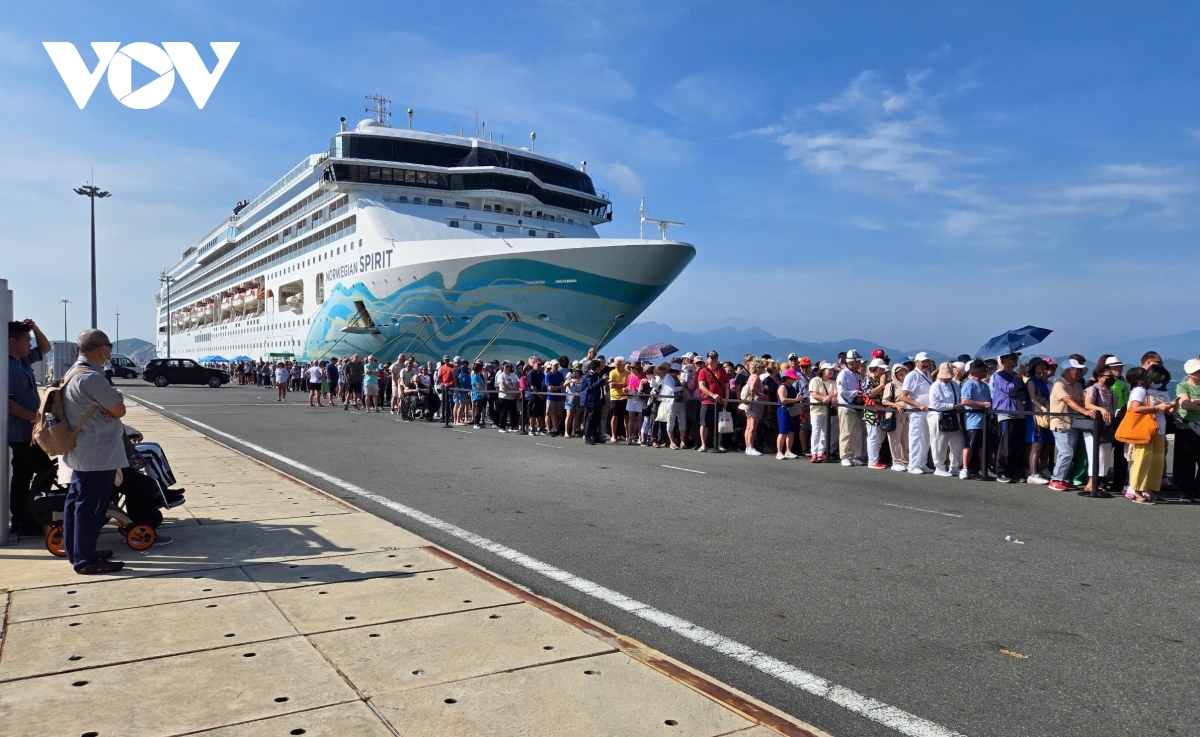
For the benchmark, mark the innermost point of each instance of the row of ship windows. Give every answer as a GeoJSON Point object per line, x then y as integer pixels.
{"type": "Point", "coordinates": [318, 257]}
{"type": "Point", "coordinates": [436, 202]}
{"type": "Point", "coordinates": [500, 229]}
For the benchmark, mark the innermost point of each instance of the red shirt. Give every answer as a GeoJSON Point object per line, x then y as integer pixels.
{"type": "Point", "coordinates": [446, 375]}
{"type": "Point", "coordinates": [716, 382]}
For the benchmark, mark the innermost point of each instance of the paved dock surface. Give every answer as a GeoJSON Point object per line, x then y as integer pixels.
{"type": "Point", "coordinates": [897, 589]}
{"type": "Point", "coordinates": [282, 610]}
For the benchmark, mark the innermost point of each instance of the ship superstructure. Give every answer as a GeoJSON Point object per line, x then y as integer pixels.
{"type": "Point", "coordinates": [403, 241]}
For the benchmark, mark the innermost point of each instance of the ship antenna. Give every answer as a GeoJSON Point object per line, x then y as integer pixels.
{"type": "Point", "coordinates": [381, 108]}
{"type": "Point", "coordinates": [410, 113]}
{"type": "Point", "coordinates": [642, 213]}
{"type": "Point", "coordinates": [533, 141]}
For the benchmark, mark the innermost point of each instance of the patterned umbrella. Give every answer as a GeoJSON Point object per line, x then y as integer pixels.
{"type": "Point", "coordinates": [1012, 341]}
{"type": "Point", "coordinates": [653, 352]}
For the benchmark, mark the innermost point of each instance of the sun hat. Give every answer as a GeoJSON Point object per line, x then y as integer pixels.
{"type": "Point", "coordinates": [824, 365]}
{"type": "Point", "coordinates": [976, 365]}
{"type": "Point", "coordinates": [960, 365]}
{"type": "Point", "coordinates": [1113, 361]}
{"type": "Point", "coordinates": [853, 355]}
{"type": "Point", "coordinates": [877, 363]}
{"type": "Point", "coordinates": [1192, 366]}
{"type": "Point", "coordinates": [791, 374]}
{"type": "Point", "coordinates": [945, 371]}
{"type": "Point", "coordinates": [1073, 364]}
{"type": "Point", "coordinates": [963, 358]}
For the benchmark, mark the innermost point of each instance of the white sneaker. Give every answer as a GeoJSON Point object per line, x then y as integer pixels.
{"type": "Point", "coordinates": [790, 456]}
{"type": "Point", "coordinates": [963, 474]}
{"type": "Point", "coordinates": [779, 456]}
{"type": "Point", "coordinates": [752, 452]}
{"type": "Point", "coordinates": [940, 472]}
{"type": "Point", "coordinates": [917, 471]}
{"type": "Point", "coordinates": [847, 462]}
{"type": "Point", "coordinates": [1036, 479]}
{"type": "Point", "coordinates": [898, 467]}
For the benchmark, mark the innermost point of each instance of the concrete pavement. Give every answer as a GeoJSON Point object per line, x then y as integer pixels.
{"type": "Point", "coordinates": [280, 609]}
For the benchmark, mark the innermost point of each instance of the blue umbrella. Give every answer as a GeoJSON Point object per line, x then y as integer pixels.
{"type": "Point", "coordinates": [653, 352]}
{"type": "Point", "coordinates": [1012, 341]}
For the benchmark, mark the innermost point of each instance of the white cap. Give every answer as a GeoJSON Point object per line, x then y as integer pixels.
{"type": "Point", "coordinates": [676, 367]}
{"type": "Point", "coordinates": [922, 356]}
{"type": "Point", "coordinates": [959, 365]}
{"type": "Point", "coordinates": [1113, 361]}
{"type": "Point", "coordinates": [1073, 364]}
{"type": "Point", "coordinates": [824, 365]}
{"type": "Point", "coordinates": [1190, 367]}
{"type": "Point", "coordinates": [877, 363]}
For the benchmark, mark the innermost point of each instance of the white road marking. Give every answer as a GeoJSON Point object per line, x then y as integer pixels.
{"type": "Point", "coordinates": [918, 509]}
{"type": "Point", "coordinates": [865, 706]}
{"type": "Point", "coordinates": [468, 432]}
{"type": "Point", "coordinates": [677, 468]}
{"type": "Point", "coordinates": [549, 446]}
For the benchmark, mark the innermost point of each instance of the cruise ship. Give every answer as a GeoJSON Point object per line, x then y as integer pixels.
{"type": "Point", "coordinates": [398, 241]}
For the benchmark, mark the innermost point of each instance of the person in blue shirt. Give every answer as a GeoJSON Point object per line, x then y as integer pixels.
{"type": "Point", "coordinates": [591, 396]}
{"type": "Point", "coordinates": [976, 397]}
{"type": "Point", "coordinates": [462, 383]}
{"type": "Point", "coordinates": [556, 384]}
{"type": "Point", "coordinates": [479, 394]}
{"type": "Point", "coordinates": [28, 459]}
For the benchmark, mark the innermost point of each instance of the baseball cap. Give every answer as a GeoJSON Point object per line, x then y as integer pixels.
{"type": "Point", "coordinates": [824, 365]}
{"type": "Point", "coordinates": [676, 367]}
{"type": "Point", "coordinates": [1073, 364]}
{"type": "Point", "coordinates": [963, 358]}
{"type": "Point", "coordinates": [805, 361]}
{"type": "Point", "coordinates": [791, 356]}
{"type": "Point", "coordinates": [1050, 361]}
{"type": "Point", "coordinates": [922, 356]}
{"type": "Point", "coordinates": [713, 354]}
{"type": "Point", "coordinates": [878, 353]}
{"type": "Point", "coordinates": [960, 365]}
{"type": "Point", "coordinates": [445, 358]}
{"type": "Point", "coordinates": [1190, 367]}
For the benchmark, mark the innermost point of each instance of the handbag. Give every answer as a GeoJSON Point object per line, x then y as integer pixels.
{"type": "Point", "coordinates": [948, 421]}
{"type": "Point", "coordinates": [887, 423]}
{"type": "Point", "coordinates": [724, 422]}
{"type": "Point", "coordinates": [795, 410]}
{"type": "Point", "coordinates": [1137, 429]}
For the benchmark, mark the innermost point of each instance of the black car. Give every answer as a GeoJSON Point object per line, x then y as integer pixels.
{"type": "Point", "coordinates": [123, 368]}
{"type": "Point", "coordinates": [163, 371]}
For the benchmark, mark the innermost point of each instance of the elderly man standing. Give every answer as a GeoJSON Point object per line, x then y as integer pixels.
{"type": "Point", "coordinates": [28, 458]}
{"type": "Point", "coordinates": [98, 453]}
{"type": "Point", "coordinates": [1009, 394]}
{"type": "Point", "coordinates": [850, 402]}
{"type": "Point", "coordinates": [915, 394]}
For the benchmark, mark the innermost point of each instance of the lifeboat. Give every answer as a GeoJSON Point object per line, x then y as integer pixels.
{"type": "Point", "coordinates": [226, 306]}
{"type": "Point", "coordinates": [296, 302]}
{"type": "Point", "coordinates": [239, 302]}
{"type": "Point", "coordinates": [251, 299]}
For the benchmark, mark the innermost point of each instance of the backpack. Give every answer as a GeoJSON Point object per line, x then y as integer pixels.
{"type": "Point", "coordinates": [51, 430]}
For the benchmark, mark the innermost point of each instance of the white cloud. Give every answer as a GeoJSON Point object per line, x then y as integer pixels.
{"type": "Point", "coordinates": [716, 98]}
{"type": "Point", "coordinates": [894, 143]}
{"type": "Point", "coordinates": [623, 178]}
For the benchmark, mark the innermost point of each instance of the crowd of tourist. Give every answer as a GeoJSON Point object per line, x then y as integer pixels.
{"type": "Point", "coordinates": [1014, 419]}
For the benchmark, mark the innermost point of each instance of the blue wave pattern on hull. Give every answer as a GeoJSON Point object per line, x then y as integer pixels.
{"type": "Point", "coordinates": [581, 307]}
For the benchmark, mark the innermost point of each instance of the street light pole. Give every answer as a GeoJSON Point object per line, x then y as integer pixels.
{"type": "Point", "coordinates": [167, 279]}
{"type": "Point", "coordinates": [91, 191]}
{"type": "Point", "coordinates": [118, 340]}
{"type": "Point", "coordinates": [65, 302]}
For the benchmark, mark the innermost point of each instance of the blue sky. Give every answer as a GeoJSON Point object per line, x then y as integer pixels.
{"type": "Point", "coordinates": [925, 175]}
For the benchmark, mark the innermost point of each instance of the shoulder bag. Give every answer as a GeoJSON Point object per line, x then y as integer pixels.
{"type": "Point", "coordinates": [1137, 429]}
{"type": "Point", "coordinates": [948, 421]}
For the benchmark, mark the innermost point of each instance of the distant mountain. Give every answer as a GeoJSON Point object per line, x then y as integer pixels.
{"type": "Point", "coordinates": [1182, 346]}
{"type": "Point", "coordinates": [732, 343]}
{"type": "Point", "coordinates": [127, 346]}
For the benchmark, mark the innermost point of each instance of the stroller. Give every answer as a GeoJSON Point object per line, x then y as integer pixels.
{"type": "Point", "coordinates": [135, 506]}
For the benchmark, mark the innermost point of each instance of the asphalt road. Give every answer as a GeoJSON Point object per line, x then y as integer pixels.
{"type": "Point", "coordinates": [862, 577]}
